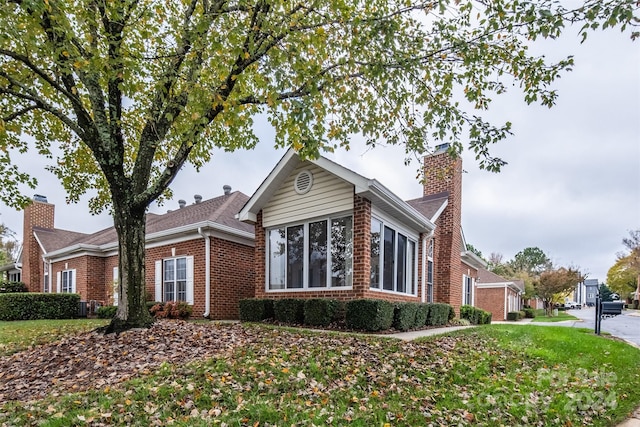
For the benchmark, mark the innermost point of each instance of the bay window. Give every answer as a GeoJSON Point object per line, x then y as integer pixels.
{"type": "Point", "coordinates": [314, 254]}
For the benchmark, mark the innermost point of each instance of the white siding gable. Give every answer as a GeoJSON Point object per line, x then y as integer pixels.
{"type": "Point", "coordinates": [328, 195]}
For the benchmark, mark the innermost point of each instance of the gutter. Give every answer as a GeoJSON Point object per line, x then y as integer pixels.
{"type": "Point", "coordinates": [207, 272]}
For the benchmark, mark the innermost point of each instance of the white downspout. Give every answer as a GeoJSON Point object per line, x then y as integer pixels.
{"type": "Point", "coordinates": [207, 272]}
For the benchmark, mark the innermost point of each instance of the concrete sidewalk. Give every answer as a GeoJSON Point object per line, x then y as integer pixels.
{"type": "Point", "coordinates": [634, 421]}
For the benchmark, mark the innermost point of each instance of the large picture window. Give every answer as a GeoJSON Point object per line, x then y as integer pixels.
{"type": "Point", "coordinates": [393, 259]}
{"type": "Point", "coordinates": [315, 254]}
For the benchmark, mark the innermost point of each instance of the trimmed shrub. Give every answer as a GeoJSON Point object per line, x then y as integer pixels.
{"type": "Point", "coordinates": [476, 316]}
{"type": "Point", "coordinates": [513, 315]}
{"type": "Point", "coordinates": [255, 309]}
{"type": "Point", "coordinates": [171, 310]}
{"type": "Point", "coordinates": [32, 306]}
{"type": "Point", "coordinates": [369, 314]}
{"type": "Point", "coordinates": [422, 313]}
{"type": "Point", "coordinates": [452, 313]}
{"type": "Point", "coordinates": [529, 313]}
{"type": "Point", "coordinates": [106, 311]}
{"type": "Point", "coordinates": [486, 318]}
{"type": "Point", "coordinates": [438, 314]}
{"type": "Point", "coordinates": [289, 310]}
{"type": "Point", "coordinates": [12, 287]}
{"type": "Point", "coordinates": [320, 311]}
{"type": "Point", "coordinates": [404, 316]}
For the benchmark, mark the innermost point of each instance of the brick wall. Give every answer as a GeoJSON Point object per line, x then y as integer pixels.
{"type": "Point", "coordinates": [492, 300]}
{"type": "Point", "coordinates": [232, 277]}
{"type": "Point", "coordinates": [89, 276]}
{"type": "Point", "coordinates": [444, 173]}
{"type": "Point", "coordinates": [37, 214]}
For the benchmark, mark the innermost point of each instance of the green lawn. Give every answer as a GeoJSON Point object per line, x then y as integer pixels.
{"type": "Point", "coordinates": [541, 316]}
{"type": "Point", "coordinates": [20, 335]}
{"type": "Point", "coordinates": [490, 375]}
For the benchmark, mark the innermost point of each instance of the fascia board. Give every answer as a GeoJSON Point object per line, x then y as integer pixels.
{"type": "Point", "coordinates": [472, 260]}
{"type": "Point", "coordinates": [437, 214]}
{"type": "Point", "coordinates": [407, 212]}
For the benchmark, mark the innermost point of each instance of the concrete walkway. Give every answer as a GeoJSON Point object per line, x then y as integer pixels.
{"type": "Point", "coordinates": [634, 421]}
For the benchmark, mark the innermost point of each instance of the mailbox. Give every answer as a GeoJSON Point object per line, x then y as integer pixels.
{"type": "Point", "coordinates": [612, 308]}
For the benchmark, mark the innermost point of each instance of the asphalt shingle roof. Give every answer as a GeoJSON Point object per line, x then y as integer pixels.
{"type": "Point", "coordinates": [429, 205]}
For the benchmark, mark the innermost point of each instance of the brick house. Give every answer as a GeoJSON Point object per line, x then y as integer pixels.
{"type": "Point", "coordinates": [199, 254]}
{"type": "Point", "coordinates": [323, 230]}
{"type": "Point", "coordinates": [498, 295]}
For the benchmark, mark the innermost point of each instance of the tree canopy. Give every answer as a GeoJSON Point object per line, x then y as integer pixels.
{"type": "Point", "coordinates": [123, 93]}
{"type": "Point", "coordinates": [554, 283]}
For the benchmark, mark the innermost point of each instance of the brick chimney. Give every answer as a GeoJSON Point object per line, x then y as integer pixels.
{"type": "Point", "coordinates": [39, 214]}
{"type": "Point", "coordinates": [443, 174]}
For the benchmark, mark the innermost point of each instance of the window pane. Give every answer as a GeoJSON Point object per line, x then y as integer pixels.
{"type": "Point", "coordinates": [341, 251]}
{"type": "Point", "coordinates": [169, 266]}
{"type": "Point", "coordinates": [375, 253]}
{"type": "Point", "coordinates": [181, 269]}
{"type": "Point", "coordinates": [295, 256]}
{"type": "Point", "coordinates": [411, 265]}
{"type": "Point", "coordinates": [169, 291]}
{"type": "Point", "coordinates": [181, 290]}
{"type": "Point", "coordinates": [389, 259]}
{"type": "Point", "coordinates": [430, 281]}
{"type": "Point", "coordinates": [277, 254]}
{"type": "Point", "coordinates": [318, 254]}
{"type": "Point", "coordinates": [401, 264]}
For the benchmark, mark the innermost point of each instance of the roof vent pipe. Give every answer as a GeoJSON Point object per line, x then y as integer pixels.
{"type": "Point", "coordinates": [227, 189]}
{"type": "Point", "coordinates": [182, 203]}
{"type": "Point", "coordinates": [198, 198]}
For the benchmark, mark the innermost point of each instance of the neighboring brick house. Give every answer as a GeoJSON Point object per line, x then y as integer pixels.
{"type": "Point", "coordinates": [199, 254]}
{"type": "Point", "coordinates": [323, 230]}
{"type": "Point", "coordinates": [497, 294]}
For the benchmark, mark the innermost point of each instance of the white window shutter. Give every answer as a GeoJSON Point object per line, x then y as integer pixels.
{"type": "Point", "coordinates": [190, 280]}
{"type": "Point", "coordinates": [58, 280]}
{"type": "Point", "coordinates": [158, 281]}
{"type": "Point", "coordinates": [73, 281]}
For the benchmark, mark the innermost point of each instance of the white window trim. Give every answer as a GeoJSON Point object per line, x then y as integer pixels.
{"type": "Point", "coordinates": [305, 261]}
{"type": "Point", "coordinates": [72, 271]}
{"type": "Point", "coordinates": [116, 279]}
{"type": "Point", "coordinates": [472, 290]}
{"type": "Point", "coordinates": [159, 294]}
{"type": "Point", "coordinates": [410, 237]}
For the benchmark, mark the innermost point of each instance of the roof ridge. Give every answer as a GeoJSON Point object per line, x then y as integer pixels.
{"type": "Point", "coordinates": [218, 212]}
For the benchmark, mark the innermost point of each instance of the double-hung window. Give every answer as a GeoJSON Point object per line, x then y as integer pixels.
{"type": "Point", "coordinates": [314, 254]}
{"type": "Point", "coordinates": [430, 272]}
{"type": "Point", "coordinates": [45, 285]}
{"type": "Point", "coordinates": [66, 281]}
{"type": "Point", "coordinates": [393, 259]}
{"type": "Point", "coordinates": [174, 279]}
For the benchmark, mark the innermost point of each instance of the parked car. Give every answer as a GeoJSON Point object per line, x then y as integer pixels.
{"type": "Point", "coordinates": [572, 305]}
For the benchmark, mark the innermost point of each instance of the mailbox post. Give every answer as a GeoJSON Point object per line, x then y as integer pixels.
{"type": "Point", "coordinates": [608, 309]}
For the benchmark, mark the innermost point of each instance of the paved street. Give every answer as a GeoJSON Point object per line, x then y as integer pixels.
{"type": "Point", "coordinates": [625, 326]}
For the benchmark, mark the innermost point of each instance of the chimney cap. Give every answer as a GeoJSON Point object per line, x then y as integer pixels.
{"type": "Point", "coordinates": [227, 189]}
{"type": "Point", "coordinates": [40, 198]}
{"type": "Point", "coordinates": [441, 148]}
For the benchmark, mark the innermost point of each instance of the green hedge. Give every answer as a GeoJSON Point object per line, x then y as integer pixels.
{"type": "Point", "coordinates": [514, 315]}
{"type": "Point", "coordinates": [369, 314]}
{"type": "Point", "coordinates": [7, 287]}
{"type": "Point", "coordinates": [256, 309]}
{"type": "Point", "coordinates": [439, 314]}
{"type": "Point", "coordinates": [475, 316]}
{"type": "Point", "coordinates": [32, 306]}
{"type": "Point", "coordinates": [404, 317]}
{"type": "Point", "coordinates": [422, 313]}
{"type": "Point", "coordinates": [529, 313]}
{"type": "Point", "coordinates": [106, 311]}
{"type": "Point", "coordinates": [320, 311]}
{"type": "Point", "coordinates": [289, 310]}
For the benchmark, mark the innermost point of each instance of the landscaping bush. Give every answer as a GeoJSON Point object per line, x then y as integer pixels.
{"type": "Point", "coordinates": [289, 310]}
{"type": "Point", "coordinates": [369, 314]}
{"type": "Point", "coordinates": [513, 315]}
{"type": "Point", "coordinates": [255, 309]}
{"type": "Point", "coordinates": [452, 313]}
{"type": "Point", "coordinates": [422, 313]}
{"type": "Point", "coordinates": [32, 306]}
{"type": "Point", "coordinates": [106, 311]}
{"type": "Point", "coordinates": [319, 311]}
{"type": "Point", "coordinates": [404, 316]}
{"type": "Point", "coordinates": [171, 310]}
{"type": "Point", "coordinates": [438, 314]}
{"type": "Point", "coordinates": [476, 316]}
{"type": "Point", "coordinates": [529, 313]}
{"type": "Point", "coordinates": [12, 287]}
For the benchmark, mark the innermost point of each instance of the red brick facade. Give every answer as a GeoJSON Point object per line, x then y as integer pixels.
{"type": "Point", "coordinates": [492, 300]}
{"type": "Point", "coordinates": [36, 215]}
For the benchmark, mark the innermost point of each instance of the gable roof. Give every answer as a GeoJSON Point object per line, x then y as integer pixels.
{"type": "Point", "coordinates": [217, 214]}
{"type": "Point", "coordinates": [368, 188]}
{"type": "Point", "coordinates": [487, 278]}
{"type": "Point", "coordinates": [431, 206]}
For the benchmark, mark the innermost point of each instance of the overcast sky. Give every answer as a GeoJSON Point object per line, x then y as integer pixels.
{"type": "Point", "coordinates": [571, 186]}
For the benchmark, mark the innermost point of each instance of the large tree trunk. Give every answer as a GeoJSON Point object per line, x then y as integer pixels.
{"type": "Point", "coordinates": [132, 310]}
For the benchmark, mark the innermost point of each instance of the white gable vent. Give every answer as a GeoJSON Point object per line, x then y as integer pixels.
{"type": "Point", "coordinates": [303, 182]}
